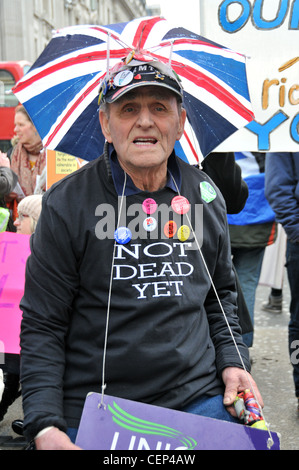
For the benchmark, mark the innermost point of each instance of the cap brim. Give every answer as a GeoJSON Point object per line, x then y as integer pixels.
{"type": "Point", "coordinates": [123, 90]}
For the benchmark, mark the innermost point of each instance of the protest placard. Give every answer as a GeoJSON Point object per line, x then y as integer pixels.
{"type": "Point", "coordinates": [60, 164]}
{"type": "Point", "coordinates": [266, 31]}
{"type": "Point", "coordinates": [14, 251]}
{"type": "Point", "coordinates": [120, 424]}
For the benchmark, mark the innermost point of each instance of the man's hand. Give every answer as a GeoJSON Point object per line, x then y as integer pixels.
{"type": "Point", "coordinates": [54, 439]}
{"type": "Point", "coordinates": [236, 381]}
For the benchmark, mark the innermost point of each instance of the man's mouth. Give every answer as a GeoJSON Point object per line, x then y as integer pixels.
{"type": "Point", "coordinates": [145, 141]}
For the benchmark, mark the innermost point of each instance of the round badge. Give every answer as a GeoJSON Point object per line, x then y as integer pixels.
{"type": "Point", "coordinates": [149, 224]}
{"type": "Point", "coordinates": [122, 235]}
{"type": "Point", "coordinates": [183, 233]}
{"type": "Point", "coordinates": [149, 206]}
{"type": "Point", "coordinates": [170, 228]}
{"type": "Point", "coordinates": [207, 192]}
{"type": "Point", "coordinates": [180, 205]}
{"type": "Point", "coordinates": [123, 78]}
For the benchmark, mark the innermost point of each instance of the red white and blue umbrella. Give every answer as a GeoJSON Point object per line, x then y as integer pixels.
{"type": "Point", "coordinates": [60, 92]}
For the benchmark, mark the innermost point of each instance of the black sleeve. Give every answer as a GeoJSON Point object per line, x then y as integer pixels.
{"type": "Point", "coordinates": [226, 174]}
{"type": "Point", "coordinates": [51, 284]}
{"type": "Point", "coordinates": [8, 180]}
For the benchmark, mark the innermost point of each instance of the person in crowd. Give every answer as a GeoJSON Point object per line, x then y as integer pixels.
{"type": "Point", "coordinates": [273, 272]}
{"type": "Point", "coordinates": [168, 341]}
{"type": "Point", "coordinates": [223, 169]}
{"type": "Point", "coordinates": [1, 384]}
{"type": "Point", "coordinates": [29, 211]}
{"type": "Point", "coordinates": [28, 158]}
{"type": "Point", "coordinates": [251, 230]}
{"type": "Point", "coordinates": [8, 181]}
{"type": "Point", "coordinates": [282, 192]}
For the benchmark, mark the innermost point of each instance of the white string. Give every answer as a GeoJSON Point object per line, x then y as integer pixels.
{"type": "Point", "coordinates": [108, 55]}
{"type": "Point", "coordinates": [170, 54]}
{"type": "Point", "coordinates": [270, 440]}
{"type": "Point", "coordinates": [103, 387]}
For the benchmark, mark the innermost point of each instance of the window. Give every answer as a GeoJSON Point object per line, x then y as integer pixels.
{"type": "Point", "coordinates": [7, 98]}
{"type": "Point", "coordinates": [93, 5]}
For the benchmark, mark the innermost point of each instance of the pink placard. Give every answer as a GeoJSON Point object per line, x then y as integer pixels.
{"type": "Point", "coordinates": [14, 251]}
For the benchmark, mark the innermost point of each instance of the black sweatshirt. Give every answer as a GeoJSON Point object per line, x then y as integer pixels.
{"type": "Point", "coordinates": [168, 340]}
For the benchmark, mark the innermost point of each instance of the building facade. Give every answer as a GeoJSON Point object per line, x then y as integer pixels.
{"type": "Point", "coordinates": [26, 25]}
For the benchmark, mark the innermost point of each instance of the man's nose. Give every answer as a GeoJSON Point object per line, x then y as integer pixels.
{"type": "Point", "coordinates": [145, 118]}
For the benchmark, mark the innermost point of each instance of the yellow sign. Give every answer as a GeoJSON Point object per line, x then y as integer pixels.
{"type": "Point", "coordinates": [266, 31]}
{"type": "Point", "coordinates": [60, 165]}
{"type": "Point", "coordinates": [65, 164]}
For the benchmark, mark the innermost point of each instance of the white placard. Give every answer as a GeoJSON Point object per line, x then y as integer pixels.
{"type": "Point", "coordinates": [267, 31]}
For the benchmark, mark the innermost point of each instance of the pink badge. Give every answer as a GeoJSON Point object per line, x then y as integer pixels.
{"type": "Point", "coordinates": [149, 206]}
{"type": "Point", "coordinates": [180, 205]}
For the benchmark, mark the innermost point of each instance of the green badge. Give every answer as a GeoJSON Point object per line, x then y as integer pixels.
{"type": "Point", "coordinates": [207, 192]}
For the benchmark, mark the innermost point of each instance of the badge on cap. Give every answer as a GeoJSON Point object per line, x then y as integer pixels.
{"type": "Point", "coordinates": [123, 235]}
{"type": "Point", "coordinates": [123, 78]}
{"type": "Point", "coordinates": [207, 191]}
{"type": "Point", "coordinates": [180, 204]}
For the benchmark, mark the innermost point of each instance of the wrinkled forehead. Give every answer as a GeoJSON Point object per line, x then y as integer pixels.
{"type": "Point", "coordinates": [152, 91]}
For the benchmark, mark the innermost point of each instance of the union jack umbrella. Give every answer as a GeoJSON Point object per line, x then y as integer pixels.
{"type": "Point", "coordinates": [60, 92]}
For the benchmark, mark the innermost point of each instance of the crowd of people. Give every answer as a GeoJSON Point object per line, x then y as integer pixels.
{"type": "Point", "coordinates": [169, 346]}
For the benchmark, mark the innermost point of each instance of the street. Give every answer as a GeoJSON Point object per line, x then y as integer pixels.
{"type": "Point", "coordinates": [271, 370]}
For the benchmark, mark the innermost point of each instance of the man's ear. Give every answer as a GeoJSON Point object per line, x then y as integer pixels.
{"type": "Point", "coordinates": [104, 121]}
{"type": "Point", "coordinates": [182, 123]}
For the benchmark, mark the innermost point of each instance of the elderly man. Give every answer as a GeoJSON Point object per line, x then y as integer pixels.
{"type": "Point", "coordinates": [96, 267]}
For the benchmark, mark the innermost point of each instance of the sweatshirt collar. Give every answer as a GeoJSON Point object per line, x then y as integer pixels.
{"type": "Point", "coordinates": [118, 175]}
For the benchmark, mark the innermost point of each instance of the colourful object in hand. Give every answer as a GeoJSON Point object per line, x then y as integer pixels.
{"type": "Point", "coordinates": [248, 410]}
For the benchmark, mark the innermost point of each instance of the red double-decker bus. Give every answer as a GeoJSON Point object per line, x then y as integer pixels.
{"type": "Point", "coordinates": [10, 74]}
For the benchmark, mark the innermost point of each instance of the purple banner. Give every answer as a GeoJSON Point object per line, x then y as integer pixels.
{"type": "Point", "coordinates": [128, 425]}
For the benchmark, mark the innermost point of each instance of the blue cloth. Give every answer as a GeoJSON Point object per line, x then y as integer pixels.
{"type": "Point", "coordinates": [72, 433]}
{"type": "Point", "coordinates": [257, 209]}
{"type": "Point", "coordinates": [248, 263]}
{"type": "Point", "coordinates": [210, 407]}
{"type": "Point", "coordinates": [282, 190]}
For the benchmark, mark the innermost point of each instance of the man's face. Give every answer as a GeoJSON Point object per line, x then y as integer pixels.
{"type": "Point", "coordinates": [143, 126]}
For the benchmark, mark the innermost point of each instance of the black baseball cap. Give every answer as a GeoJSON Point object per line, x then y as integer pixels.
{"type": "Point", "coordinates": [136, 74]}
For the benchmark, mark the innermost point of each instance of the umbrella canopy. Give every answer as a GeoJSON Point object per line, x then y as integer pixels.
{"type": "Point", "coordinates": [60, 92]}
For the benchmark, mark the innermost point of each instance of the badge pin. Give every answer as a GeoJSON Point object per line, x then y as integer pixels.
{"type": "Point", "coordinates": [123, 235]}
{"type": "Point", "coordinates": [123, 78]}
{"type": "Point", "coordinates": [149, 206]}
{"type": "Point", "coordinates": [170, 228]}
{"type": "Point", "coordinates": [183, 233]}
{"type": "Point", "coordinates": [180, 204]}
{"type": "Point", "coordinates": [207, 191]}
{"type": "Point", "coordinates": [149, 224]}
